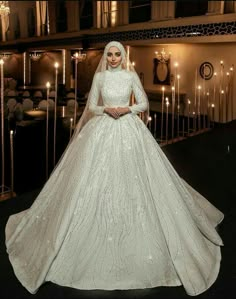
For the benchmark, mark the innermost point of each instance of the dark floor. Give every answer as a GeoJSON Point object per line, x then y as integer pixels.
{"type": "Point", "coordinates": [206, 161]}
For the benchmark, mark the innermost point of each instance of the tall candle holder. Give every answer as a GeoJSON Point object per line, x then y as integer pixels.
{"type": "Point", "coordinates": [208, 110]}
{"type": "Point", "coordinates": [178, 105]}
{"type": "Point", "coordinates": [155, 125]}
{"type": "Point", "coordinates": [162, 111]}
{"type": "Point", "coordinates": [199, 107]}
{"type": "Point", "coordinates": [150, 123]}
{"type": "Point", "coordinates": [77, 57]}
{"type": "Point", "coordinates": [2, 127]}
{"type": "Point", "coordinates": [167, 105]}
{"type": "Point", "coordinates": [231, 91]}
{"type": "Point", "coordinates": [56, 65]}
{"type": "Point", "coordinates": [71, 125]}
{"type": "Point", "coordinates": [227, 96]}
{"type": "Point", "coordinates": [47, 123]}
{"type": "Point", "coordinates": [173, 112]}
{"type": "Point", "coordinates": [189, 102]}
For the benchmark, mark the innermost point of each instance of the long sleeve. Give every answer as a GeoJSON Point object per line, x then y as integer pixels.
{"type": "Point", "coordinates": [94, 96]}
{"type": "Point", "coordinates": [140, 96]}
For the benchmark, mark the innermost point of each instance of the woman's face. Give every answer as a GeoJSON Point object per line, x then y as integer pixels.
{"type": "Point", "coordinates": [114, 57]}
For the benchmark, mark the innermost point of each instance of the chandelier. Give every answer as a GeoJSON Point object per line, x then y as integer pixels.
{"type": "Point", "coordinates": [162, 56]}
{"type": "Point", "coordinates": [35, 56]}
{"type": "Point", "coordinates": [5, 56]}
{"type": "Point", "coordinates": [4, 8]}
{"type": "Point", "coordinates": [79, 56]}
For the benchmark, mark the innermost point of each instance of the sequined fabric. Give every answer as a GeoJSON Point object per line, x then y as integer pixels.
{"type": "Point", "coordinates": [115, 214]}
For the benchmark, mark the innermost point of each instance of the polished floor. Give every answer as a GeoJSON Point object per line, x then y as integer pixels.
{"type": "Point", "coordinates": [206, 161]}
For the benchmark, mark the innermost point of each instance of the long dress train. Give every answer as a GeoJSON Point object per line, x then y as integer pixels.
{"type": "Point", "coordinates": [115, 214]}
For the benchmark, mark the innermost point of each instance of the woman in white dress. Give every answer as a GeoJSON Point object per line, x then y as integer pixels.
{"type": "Point", "coordinates": [114, 214]}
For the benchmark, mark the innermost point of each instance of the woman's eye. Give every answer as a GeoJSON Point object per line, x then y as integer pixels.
{"type": "Point", "coordinates": [117, 54]}
{"type": "Point", "coordinates": [109, 54]}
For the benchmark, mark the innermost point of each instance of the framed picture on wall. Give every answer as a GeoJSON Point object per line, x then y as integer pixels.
{"type": "Point", "coordinates": [161, 71]}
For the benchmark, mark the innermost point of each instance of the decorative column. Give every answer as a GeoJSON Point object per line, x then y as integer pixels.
{"type": "Point", "coordinates": [162, 10]}
{"type": "Point", "coordinates": [4, 13]}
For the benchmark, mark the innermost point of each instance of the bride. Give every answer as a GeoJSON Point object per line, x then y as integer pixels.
{"type": "Point", "coordinates": [114, 213]}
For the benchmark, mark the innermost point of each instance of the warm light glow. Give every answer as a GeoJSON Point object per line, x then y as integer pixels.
{"type": "Point", "coordinates": [178, 76]}
{"type": "Point", "coordinates": [189, 102]}
{"type": "Point", "coordinates": [221, 62]}
{"type": "Point", "coordinates": [48, 84]}
{"type": "Point", "coordinates": [4, 8]}
{"type": "Point", "coordinates": [227, 73]}
{"type": "Point", "coordinates": [199, 87]}
{"type": "Point", "coordinates": [162, 56]}
{"type": "Point", "coordinates": [79, 56]}
{"type": "Point", "coordinates": [1, 61]}
{"type": "Point", "coordinates": [35, 56]}
{"type": "Point", "coordinates": [113, 13]}
{"type": "Point", "coordinates": [212, 105]}
{"type": "Point", "coordinates": [133, 63]}
{"type": "Point", "coordinates": [176, 64]}
{"type": "Point", "coordinates": [149, 118]}
{"type": "Point", "coordinates": [64, 66]}
{"type": "Point", "coordinates": [163, 88]}
{"type": "Point", "coordinates": [24, 67]}
{"type": "Point", "coordinates": [173, 88]}
{"type": "Point", "coordinates": [222, 92]}
{"type": "Point", "coordinates": [11, 132]}
{"type": "Point", "coordinates": [208, 93]}
{"type": "Point", "coordinates": [215, 74]}
{"type": "Point", "coordinates": [56, 65]}
{"type": "Point", "coordinates": [167, 99]}
{"type": "Point", "coordinates": [231, 69]}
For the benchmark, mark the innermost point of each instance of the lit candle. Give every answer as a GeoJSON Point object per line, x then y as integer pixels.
{"type": "Point", "coordinates": [178, 105]}
{"type": "Point", "coordinates": [2, 124]}
{"type": "Point", "coordinates": [213, 113]}
{"type": "Point", "coordinates": [47, 121]}
{"type": "Point", "coordinates": [71, 124]}
{"type": "Point", "coordinates": [199, 107]}
{"type": "Point", "coordinates": [189, 102]}
{"type": "Point", "coordinates": [12, 162]}
{"type": "Point", "coordinates": [150, 122]}
{"type": "Point", "coordinates": [208, 110]}
{"type": "Point", "coordinates": [155, 124]}
{"type": "Point", "coordinates": [173, 112]}
{"type": "Point", "coordinates": [162, 111]}
{"type": "Point", "coordinates": [56, 65]}
{"type": "Point", "coordinates": [167, 105]}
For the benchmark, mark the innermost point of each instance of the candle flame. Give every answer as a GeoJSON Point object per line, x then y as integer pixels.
{"type": "Point", "coordinates": [56, 65]}
{"type": "Point", "coordinates": [48, 84]}
{"type": "Point", "coordinates": [1, 61]}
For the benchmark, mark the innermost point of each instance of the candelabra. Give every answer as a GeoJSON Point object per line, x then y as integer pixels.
{"type": "Point", "coordinates": [77, 57]}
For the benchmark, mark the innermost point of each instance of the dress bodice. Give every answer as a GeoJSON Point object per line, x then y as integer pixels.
{"type": "Point", "coordinates": [114, 89]}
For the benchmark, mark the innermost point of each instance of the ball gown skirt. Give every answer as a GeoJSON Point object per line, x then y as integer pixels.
{"type": "Point", "coordinates": [115, 215]}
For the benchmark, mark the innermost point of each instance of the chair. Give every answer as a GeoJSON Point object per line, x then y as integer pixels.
{"type": "Point", "coordinates": [38, 94]}
{"type": "Point", "coordinates": [27, 104]}
{"type": "Point", "coordinates": [43, 105]}
{"type": "Point", "coordinates": [70, 95]}
{"type": "Point", "coordinates": [18, 112]}
{"type": "Point", "coordinates": [52, 94]}
{"type": "Point", "coordinates": [26, 94]}
{"type": "Point", "coordinates": [11, 103]}
{"type": "Point", "coordinates": [71, 105]}
{"type": "Point", "coordinates": [51, 104]}
{"type": "Point", "coordinates": [11, 93]}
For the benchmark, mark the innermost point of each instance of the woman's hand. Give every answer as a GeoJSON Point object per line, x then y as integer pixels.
{"type": "Point", "coordinates": [123, 110]}
{"type": "Point", "coordinates": [112, 112]}
{"type": "Point", "coordinates": [117, 112]}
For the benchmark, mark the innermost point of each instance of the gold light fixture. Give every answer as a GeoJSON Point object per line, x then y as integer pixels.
{"type": "Point", "coordinates": [162, 56]}
{"type": "Point", "coordinates": [35, 56]}
{"type": "Point", "coordinates": [79, 56]}
{"type": "Point", "coordinates": [4, 8]}
{"type": "Point", "coordinates": [5, 56]}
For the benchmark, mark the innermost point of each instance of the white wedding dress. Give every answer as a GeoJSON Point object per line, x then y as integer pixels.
{"type": "Point", "coordinates": [115, 214]}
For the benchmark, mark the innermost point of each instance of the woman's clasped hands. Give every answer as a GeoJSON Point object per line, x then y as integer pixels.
{"type": "Point", "coordinates": [117, 112]}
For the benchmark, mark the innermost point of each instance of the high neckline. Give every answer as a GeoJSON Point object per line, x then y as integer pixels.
{"type": "Point", "coordinates": [114, 69]}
